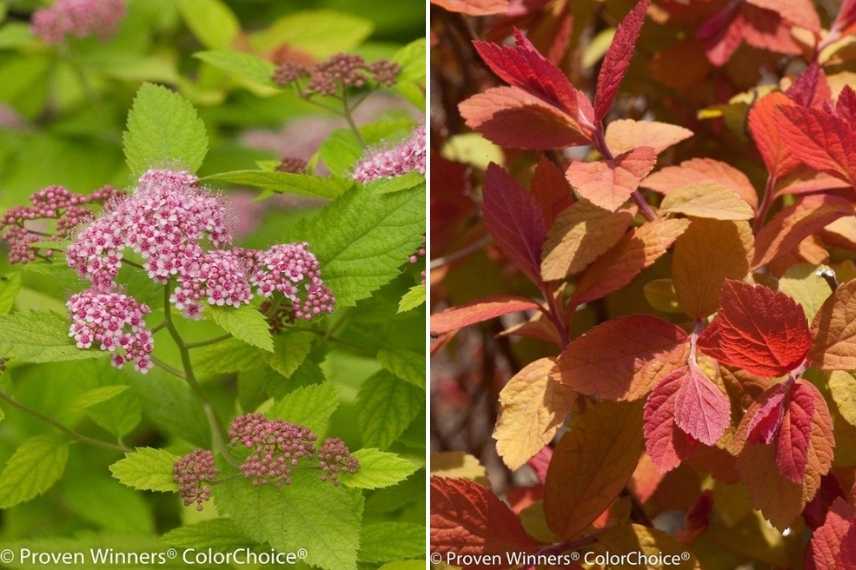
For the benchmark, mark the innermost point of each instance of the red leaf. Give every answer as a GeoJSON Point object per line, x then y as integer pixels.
{"type": "Point", "coordinates": [514, 220]}
{"type": "Point", "coordinates": [811, 88]}
{"type": "Point", "coordinates": [845, 107]}
{"type": "Point", "coordinates": [757, 329]}
{"type": "Point", "coordinates": [522, 66]}
{"type": "Point", "coordinates": [702, 410]}
{"type": "Point", "coordinates": [794, 433]}
{"type": "Point", "coordinates": [765, 423]}
{"type": "Point", "coordinates": [477, 312]}
{"type": "Point", "coordinates": [540, 462]}
{"type": "Point", "coordinates": [617, 58]}
{"type": "Point", "coordinates": [467, 518]}
{"type": "Point", "coordinates": [798, 12]}
{"type": "Point", "coordinates": [831, 546]}
{"type": "Point", "coordinates": [551, 190]}
{"type": "Point", "coordinates": [821, 140]}
{"type": "Point", "coordinates": [664, 441]}
{"type": "Point", "coordinates": [738, 22]}
{"type": "Point", "coordinates": [846, 17]}
{"type": "Point", "coordinates": [474, 7]}
{"type": "Point", "coordinates": [512, 117]}
{"type": "Point", "coordinates": [783, 233]}
{"type": "Point", "coordinates": [610, 183]}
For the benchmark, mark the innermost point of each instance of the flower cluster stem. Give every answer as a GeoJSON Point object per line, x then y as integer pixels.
{"type": "Point", "coordinates": [218, 433]}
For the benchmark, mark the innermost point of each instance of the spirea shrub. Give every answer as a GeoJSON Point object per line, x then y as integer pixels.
{"type": "Point", "coordinates": [206, 344]}
{"type": "Point", "coordinates": [644, 281]}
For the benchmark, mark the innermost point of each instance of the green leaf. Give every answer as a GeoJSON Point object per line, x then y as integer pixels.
{"type": "Point", "coordinates": [362, 239]}
{"type": "Point", "coordinates": [245, 67]}
{"type": "Point", "coordinates": [308, 513]}
{"type": "Point", "coordinates": [96, 396]}
{"type": "Point", "coordinates": [284, 182]}
{"type": "Point", "coordinates": [245, 323]}
{"type": "Point", "coordinates": [310, 406]}
{"type": "Point", "coordinates": [104, 502]}
{"type": "Point", "coordinates": [169, 403]}
{"type": "Point", "coordinates": [35, 466]}
{"type": "Point", "coordinates": [163, 131]}
{"type": "Point", "coordinates": [408, 365]}
{"type": "Point", "coordinates": [411, 79]}
{"type": "Point", "coordinates": [378, 469]}
{"type": "Point", "coordinates": [211, 21]}
{"type": "Point", "coordinates": [290, 352]}
{"type": "Point", "coordinates": [39, 336]}
{"type": "Point", "coordinates": [341, 150]}
{"type": "Point", "coordinates": [146, 469]}
{"type": "Point", "coordinates": [397, 183]}
{"type": "Point", "coordinates": [403, 565]}
{"type": "Point", "coordinates": [218, 534]}
{"type": "Point", "coordinates": [10, 286]}
{"type": "Point", "coordinates": [387, 405]}
{"type": "Point", "coordinates": [414, 297]}
{"type": "Point", "coordinates": [386, 541]}
{"type": "Point", "coordinates": [231, 355]}
{"type": "Point", "coordinates": [319, 32]}
{"type": "Point", "coordinates": [119, 415]}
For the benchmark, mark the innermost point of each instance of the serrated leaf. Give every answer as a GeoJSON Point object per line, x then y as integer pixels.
{"type": "Point", "coordinates": [308, 513]}
{"type": "Point", "coordinates": [146, 469]}
{"type": "Point", "coordinates": [284, 182]}
{"type": "Point", "coordinates": [610, 183]}
{"type": "Point", "coordinates": [702, 171]}
{"type": "Point", "coordinates": [387, 405]}
{"type": "Point", "coordinates": [707, 201]}
{"type": "Point", "coordinates": [311, 406]}
{"type": "Point", "coordinates": [245, 323]}
{"type": "Point", "coordinates": [378, 469]}
{"type": "Point", "coordinates": [163, 131]}
{"type": "Point", "coordinates": [35, 466]}
{"type": "Point", "coordinates": [291, 351]}
{"type": "Point", "coordinates": [408, 365]}
{"type": "Point", "coordinates": [760, 330]}
{"type": "Point", "coordinates": [10, 286]}
{"type": "Point", "coordinates": [411, 77]}
{"type": "Point", "coordinates": [623, 358]}
{"type": "Point", "coordinates": [211, 21]}
{"type": "Point", "coordinates": [702, 410]}
{"type": "Point", "coordinates": [362, 239]}
{"type": "Point", "coordinates": [318, 32]}
{"type": "Point", "coordinates": [39, 336]}
{"type": "Point", "coordinates": [591, 464]}
{"type": "Point", "coordinates": [391, 540]}
{"type": "Point", "coordinates": [219, 534]}
{"type": "Point", "coordinates": [415, 297]}
{"type": "Point", "coordinates": [829, 542]}
{"type": "Point", "coordinates": [533, 406]}
{"type": "Point", "coordinates": [623, 135]}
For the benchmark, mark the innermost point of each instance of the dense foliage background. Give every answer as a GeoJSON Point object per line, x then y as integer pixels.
{"type": "Point", "coordinates": [356, 374]}
{"type": "Point", "coordinates": [643, 281]}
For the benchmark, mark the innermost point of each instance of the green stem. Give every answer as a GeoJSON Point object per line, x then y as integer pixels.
{"type": "Point", "coordinates": [349, 117]}
{"type": "Point", "coordinates": [218, 433]}
{"type": "Point", "coordinates": [191, 345]}
{"type": "Point", "coordinates": [67, 430]}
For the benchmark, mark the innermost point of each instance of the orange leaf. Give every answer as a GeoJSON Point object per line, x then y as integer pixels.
{"type": "Point", "coordinates": [702, 171]}
{"type": "Point", "coordinates": [789, 227]}
{"type": "Point", "coordinates": [467, 518]}
{"type": "Point", "coordinates": [478, 311]}
{"type": "Point", "coordinates": [707, 254]}
{"type": "Point", "coordinates": [621, 359]}
{"type": "Point", "coordinates": [591, 465]}
{"type": "Point", "coordinates": [512, 117]}
{"type": "Point", "coordinates": [581, 234]}
{"type": "Point", "coordinates": [834, 330]}
{"type": "Point", "coordinates": [707, 200]}
{"type": "Point", "coordinates": [551, 190]}
{"type": "Point", "coordinates": [532, 408]}
{"type": "Point", "coordinates": [473, 7]}
{"type": "Point", "coordinates": [765, 124]}
{"type": "Point", "coordinates": [623, 135]}
{"type": "Point", "coordinates": [829, 542]}
{"type": "Point", "coordinates": [633, 539]}
{"type": "Point", "coordinates": [636, 251]}
{"type": "Point", "coordinates": [799, 12]}
{"type": "Point", "coordinates": [609, 183]}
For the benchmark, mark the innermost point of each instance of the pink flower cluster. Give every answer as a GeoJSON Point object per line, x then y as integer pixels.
{"type": "Point", "coordinates": [78, 18]}
{"type": "Point", "coordinates": [408, 156]}
{"type": "Point", "coordinates": [112, 322]}
{"type": "Point", "coordinates": [51, 203]}
{"type": "Point", "coordinates": [276, 447]}
{"type": "Point", "coordinates": [194, 473]}
{"type": "Point", "coordinates": [288, 268]}
{"type": "Point", "coordinates": [341, 70]}
{"type": "Point", "coordinates": [335, 458]}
